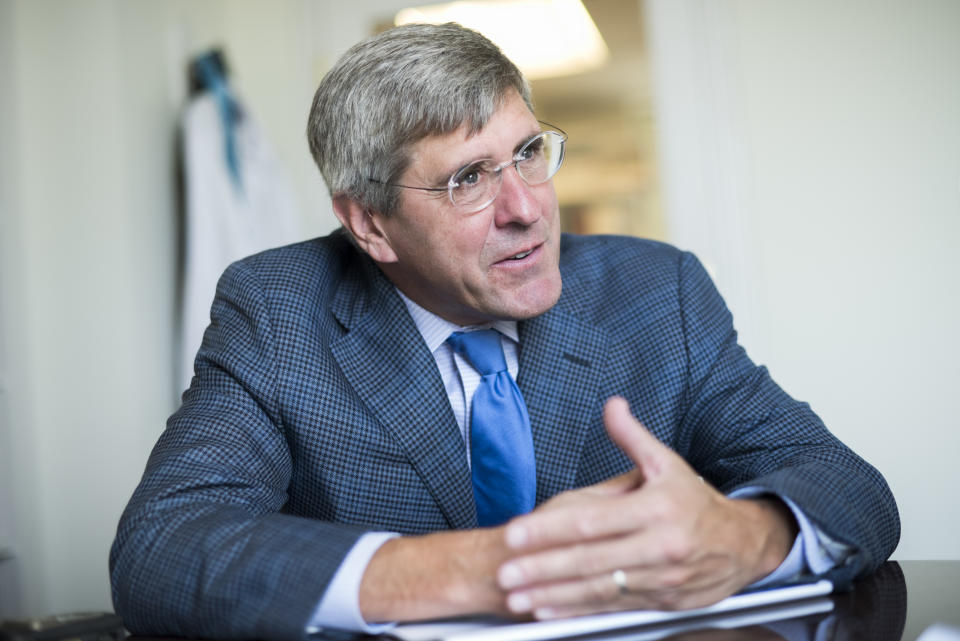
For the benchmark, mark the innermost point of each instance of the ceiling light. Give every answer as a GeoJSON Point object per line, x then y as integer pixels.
{"type": "Point", "coordinates": [542, 37]}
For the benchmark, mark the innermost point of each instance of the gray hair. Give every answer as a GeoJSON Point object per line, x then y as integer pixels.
{"type": "Point", "coordinates": [392, 90]}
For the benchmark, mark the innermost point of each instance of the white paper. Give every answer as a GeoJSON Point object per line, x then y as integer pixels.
{"type": "Point", "coordinates": [495, 629]}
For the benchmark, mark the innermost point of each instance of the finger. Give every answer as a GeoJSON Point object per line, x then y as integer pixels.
{"type": "Point", "coordinates": [657, 558]}
{"type": "Point", "coordinates": [582, 560]}
{"type": "Point", "coordinates": [576, 521]}
{"type": "Point", "coordinates": [567, 521]}
{"type": "Point", "coordinates": [678, 587]}
{"type": "Point", "coordinates": [649, 454]}
{"type": "Point", "coordinates": [616, 486]}
{"type": "Point", "coordinates": [590, 592]}
{"type": "Point", "coordinates": [611, 487]}
{"type": "Point", "coordinates": [601, 593]}
{"type": "Point", "coordinates": [598, 593]}
{"type": "Point", "coordinates": [538, 530]}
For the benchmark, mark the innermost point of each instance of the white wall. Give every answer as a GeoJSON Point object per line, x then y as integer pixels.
{"type": "Point", "coordinates": [8, 199]}
{"type": "Point", "coordinates": [90, 96]}
{"type": "Point", "coordinates": [812, 158]}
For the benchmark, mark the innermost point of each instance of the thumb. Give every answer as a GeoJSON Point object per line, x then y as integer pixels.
{"type": "Point", "coordinates": [650, 455]}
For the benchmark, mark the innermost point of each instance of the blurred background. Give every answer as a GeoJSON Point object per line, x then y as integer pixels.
{"type": "Point", "coordinates": [808, 152]}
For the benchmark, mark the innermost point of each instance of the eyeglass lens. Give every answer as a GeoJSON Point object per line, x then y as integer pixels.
{"type": "Point", "coordinates": [475, 186]}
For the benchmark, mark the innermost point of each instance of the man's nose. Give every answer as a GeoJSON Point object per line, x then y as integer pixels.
{"type": "Point", "coordinates": [515, 204]}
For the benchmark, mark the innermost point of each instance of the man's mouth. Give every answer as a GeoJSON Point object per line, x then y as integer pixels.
{"type": "Point", "coordinates": [521, 258]}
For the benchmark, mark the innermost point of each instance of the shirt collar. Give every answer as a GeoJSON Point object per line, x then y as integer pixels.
{"type": "Point", "coordinates": [436, 330]}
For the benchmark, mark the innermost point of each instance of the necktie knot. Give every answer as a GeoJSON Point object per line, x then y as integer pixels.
{"type": "Point", "coordinates": [481, 348]}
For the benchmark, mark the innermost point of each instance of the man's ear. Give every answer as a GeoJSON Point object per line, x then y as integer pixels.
{"type": "Point", "coordinates": [366, 228]}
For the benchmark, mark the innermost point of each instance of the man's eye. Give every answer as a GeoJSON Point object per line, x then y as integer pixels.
{"type": "Point", "coordinates": [469, 176]}
{"type": "Point", "coordinates": [533, 149]}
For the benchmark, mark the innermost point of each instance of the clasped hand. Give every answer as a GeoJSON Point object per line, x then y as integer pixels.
{"type": "Point", "coordinates": [656, 537]}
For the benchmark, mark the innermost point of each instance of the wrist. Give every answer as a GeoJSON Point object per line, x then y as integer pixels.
{"type": "Point", "coordinates": [776, 530]}
{"type": "Point", "coordinates": [436, 575]}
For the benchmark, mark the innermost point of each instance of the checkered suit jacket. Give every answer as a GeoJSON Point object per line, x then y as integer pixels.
{"type": "Point", "coordinates": [317, 413]}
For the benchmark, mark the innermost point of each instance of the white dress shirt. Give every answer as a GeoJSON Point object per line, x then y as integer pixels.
{"type": "Point", "coordinates": [339, 608]}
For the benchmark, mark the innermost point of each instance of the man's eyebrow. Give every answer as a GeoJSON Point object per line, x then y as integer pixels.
{"type": "Point", "coordinates": [527, 139]}
{"type": "Point", "coordinates": [441, 181]}
{"type": "Point", "coordinates": [448, 173]}
{"type": "Point", "coordinates": [442, 177]}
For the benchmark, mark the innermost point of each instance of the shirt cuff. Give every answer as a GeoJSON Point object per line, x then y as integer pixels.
{"type": "Point", "coordinates": [812, 550]}
{"type": "Point", "coordinates": [340, 606]}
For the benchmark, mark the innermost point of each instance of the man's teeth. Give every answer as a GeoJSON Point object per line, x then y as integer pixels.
{"type": "Point", "coordinates": [522, 255]}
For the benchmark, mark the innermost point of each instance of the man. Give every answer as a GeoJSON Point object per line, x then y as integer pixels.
{"type": "Point", "coordinates": [329, 467]}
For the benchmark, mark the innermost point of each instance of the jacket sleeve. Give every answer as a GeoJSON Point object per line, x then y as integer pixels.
{"type": "Point", "coordinates": [739, 428]}
{"type": "Point", "coordinates": [204, 548]}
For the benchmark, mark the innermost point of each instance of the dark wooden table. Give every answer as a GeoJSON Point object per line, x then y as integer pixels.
{"type": "Point", "coordinates": [933, 594]}
{"type": "Point", "coordinates": [895, 604]}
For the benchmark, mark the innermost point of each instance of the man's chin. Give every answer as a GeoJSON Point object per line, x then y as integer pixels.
{"type": "Point", "coordinates": [533, 301]}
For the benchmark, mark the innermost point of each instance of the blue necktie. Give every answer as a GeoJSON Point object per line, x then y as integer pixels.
{"type": "Point", "coordinates": [501, 445]}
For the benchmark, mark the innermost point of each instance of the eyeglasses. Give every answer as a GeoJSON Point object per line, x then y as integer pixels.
{"type": "Point", "coordinates": [476, 185]}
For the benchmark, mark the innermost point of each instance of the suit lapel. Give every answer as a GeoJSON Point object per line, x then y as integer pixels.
{"type": "Point", "coordinates": [560, 361]}
{"type": "Point", "coordinates": [386, 361]}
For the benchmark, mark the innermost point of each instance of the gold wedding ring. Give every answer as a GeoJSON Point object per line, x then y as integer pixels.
{"type": "Point", "coordinates": [620, 578]}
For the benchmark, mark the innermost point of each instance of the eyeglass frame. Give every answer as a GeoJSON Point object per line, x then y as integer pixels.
{"type": "Point", "coordinates": [498, 170]}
